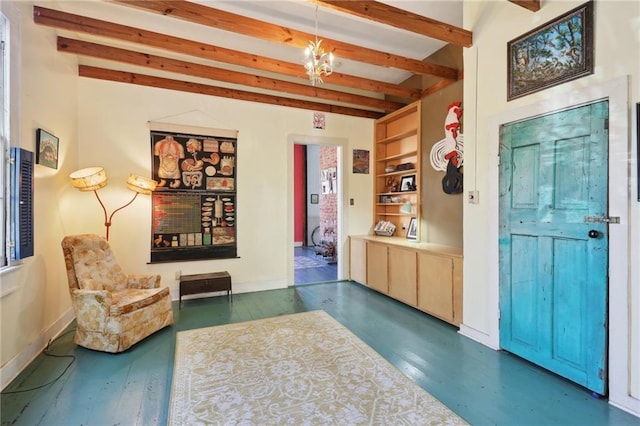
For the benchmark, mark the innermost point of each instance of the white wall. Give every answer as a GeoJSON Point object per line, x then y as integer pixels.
{"type": "Point", "coordinates": [113, 133]}
{"type": "Point", "coordinates": [617, 71]}
{"type": "Point", "coordinates": [44, 91]}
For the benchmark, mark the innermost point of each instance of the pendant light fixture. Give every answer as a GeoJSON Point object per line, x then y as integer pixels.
{"type": "Point", "coordinates": [318, 63]}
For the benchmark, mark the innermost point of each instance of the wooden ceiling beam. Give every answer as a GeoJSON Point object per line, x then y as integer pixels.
{"type": "Point", "coordinates": [403, 19]}
{"type": "Point", "coordinates": [96, 27]}
{"type": "Point", "coordinates": [215, 18]}
{"type": "Point", "coordinates": [532, 5]}
{"type": "Point", "coordinates": [95, 50]}
{"type": "Point", "coordinates": [190, 87]}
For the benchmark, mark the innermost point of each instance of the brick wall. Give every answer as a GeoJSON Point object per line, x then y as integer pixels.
{"type": "Point", "coordinates": [329, 201]}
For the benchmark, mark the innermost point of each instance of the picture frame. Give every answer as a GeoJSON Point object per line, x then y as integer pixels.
{"type": "Point", "coordinates": [553, 53]}
{"type": "Point", "coordinates": [47, 146]}
{"type": "Point", "coordinates": [408, 183]}
{"type": "Point", "coordinates": [315, 198]}
{"type": "Point", "coordinates": [412, 229]}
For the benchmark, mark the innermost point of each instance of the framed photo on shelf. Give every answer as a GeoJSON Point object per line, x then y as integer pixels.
{"type": "Point", "coordinates": [412, 230]}
{"type": "Point", "coordinates": [553, 53]}
{"type": "Point", "coordinates": [408, 183]}
{"type": "Point", "coordinates": [46, 149]}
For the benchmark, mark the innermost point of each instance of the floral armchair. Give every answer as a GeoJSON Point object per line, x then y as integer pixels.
{"type": "Point", "coordinates": [113, 310]}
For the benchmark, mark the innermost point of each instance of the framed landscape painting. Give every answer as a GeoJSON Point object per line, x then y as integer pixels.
{"type": "Point", "coordinates": [558, 51]}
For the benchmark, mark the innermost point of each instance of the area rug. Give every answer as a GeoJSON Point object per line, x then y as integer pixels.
{"type": "Point", "coordinates": [299, 369]}
{"type": "Point", "coordinates": [300, 262]}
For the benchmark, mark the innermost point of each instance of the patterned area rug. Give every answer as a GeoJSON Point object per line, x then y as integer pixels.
{"type": "Point", "coordinates": [300, 369]}
{"type": "Point", "coordinates": [307, 262]}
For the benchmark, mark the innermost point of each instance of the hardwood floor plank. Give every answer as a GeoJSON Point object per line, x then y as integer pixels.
{"type": "Point", "coordinates": [482, 385]}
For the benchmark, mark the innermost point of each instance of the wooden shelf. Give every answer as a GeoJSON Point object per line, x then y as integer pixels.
{"type": "Point", "coordinates": [399, 136]}
{"type": "Point", "coordinates": [398, 141]}
{"type": "Point", "coordinates": [402, 172]}
{"type": "Point", "coordinates": [397, 156]}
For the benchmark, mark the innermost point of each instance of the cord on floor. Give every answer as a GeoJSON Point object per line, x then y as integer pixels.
{"type": "Point", "coordinates": [46, 353]}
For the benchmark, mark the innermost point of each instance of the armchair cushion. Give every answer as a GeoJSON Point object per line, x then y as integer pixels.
{"type": "Point", "coordinates": [129, 300]}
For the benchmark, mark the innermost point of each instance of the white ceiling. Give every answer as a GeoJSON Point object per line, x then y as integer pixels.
{"type": "Point", "coordinates": [295, 14]}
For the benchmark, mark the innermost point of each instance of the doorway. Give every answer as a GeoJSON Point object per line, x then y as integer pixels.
{"type": "Point", "coordinates": [316, 194]}
{"type": "Point", "coordinates": [554, 242]}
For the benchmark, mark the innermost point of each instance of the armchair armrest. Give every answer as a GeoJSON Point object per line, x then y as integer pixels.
{"type": "Point", "coordinates": [143, 281]}
{"type": "Point", "coordinates": [92, 308]}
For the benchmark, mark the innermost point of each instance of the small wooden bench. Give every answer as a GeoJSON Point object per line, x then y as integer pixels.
{"type": "Point", "coordinates": [205, 283]}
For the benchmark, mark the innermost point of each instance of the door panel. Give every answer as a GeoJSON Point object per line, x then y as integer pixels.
{"type": "Point", "coordinates": [553, 275]}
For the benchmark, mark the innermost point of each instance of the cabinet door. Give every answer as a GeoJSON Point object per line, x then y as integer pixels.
{"type": "Point", "coordinates": [377, 277]}
{"type": "Point", "coordinates": [403, 275]}
{"type": "Point", "coordinates": [435, 285]}
{"type": "Point", "coordinates": [358, 260]}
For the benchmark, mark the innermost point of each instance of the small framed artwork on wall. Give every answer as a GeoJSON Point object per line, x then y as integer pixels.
{"type": "Point", "coordinates": [46, 149]}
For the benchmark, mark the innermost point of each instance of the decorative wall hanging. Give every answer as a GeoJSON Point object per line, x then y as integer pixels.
{"type": "Point", "coordinates": [47, 149]}
{"type": "Point", "coordinates": [194, 205]}
{"type": "Point", "coordinates": [447, 154]}
{"type": "Point", "coordinates": [556, 52]}
{"type": "Point", "coordinates": [318, 120]}
{"type": "Point", "coordinates": [328, 180]}
{"type": "Point", "coordinates": [361, 161]}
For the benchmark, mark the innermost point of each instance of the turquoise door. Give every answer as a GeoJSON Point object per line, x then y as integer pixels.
{"type": "Point", "coordinates": [554, 244]}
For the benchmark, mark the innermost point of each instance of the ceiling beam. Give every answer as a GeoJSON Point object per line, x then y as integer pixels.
{"type": "Point", "coordinates": [96, 27]}
{"type": "Point", "coordinates": [95, 50]}
{"type": "Point", "coordinates": [532, 5]}
{"type": "Point", "coordinates": [403, 19]}
{"type": "Point", "coordinates": [190, 87]}
{"type": "Point", "coordinates": [215, 18]}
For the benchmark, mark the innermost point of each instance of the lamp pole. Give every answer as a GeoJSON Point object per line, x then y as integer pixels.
{"type": "Point", "coordinates": [107, 218]}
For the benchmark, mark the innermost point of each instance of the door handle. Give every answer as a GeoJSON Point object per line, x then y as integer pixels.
{"type": "Point", "coordinates": [594, 234]}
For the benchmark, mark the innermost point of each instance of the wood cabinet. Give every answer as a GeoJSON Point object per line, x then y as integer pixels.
{"type": "Point", "coordinates": [397, 166]}
{"type": "Point", "coordinates": [358, 260]}
{"type": "Point", "coordinates": [423, 275]}
{"type": "Point", "coordinates": [377, 270]}
{"type": "Point", "coordinates": [402, 266]}
{"type": "Point", "coordinates": [440, 286]}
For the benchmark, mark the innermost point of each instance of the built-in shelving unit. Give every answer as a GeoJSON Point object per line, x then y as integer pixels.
{"type": "Point", "coordinates": [397, 167]}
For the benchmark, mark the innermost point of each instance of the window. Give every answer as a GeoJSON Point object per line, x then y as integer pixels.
{"type": "Point", "coordinates": [16, 172]}
{"type": "Point", "coordinates": [4, 139]}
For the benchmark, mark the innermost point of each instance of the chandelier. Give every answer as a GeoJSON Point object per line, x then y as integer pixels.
{"type": "Point", "coordinates": [317, 61]}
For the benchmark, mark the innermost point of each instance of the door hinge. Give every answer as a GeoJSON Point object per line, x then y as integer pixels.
{"type": "Point", "coordinates": [606, 124]}
{"type": "Point", "coordinates": [602, 219]}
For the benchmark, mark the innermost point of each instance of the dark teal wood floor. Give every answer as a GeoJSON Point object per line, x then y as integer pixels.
{"type": "Point", "coordinates": [485, 387]}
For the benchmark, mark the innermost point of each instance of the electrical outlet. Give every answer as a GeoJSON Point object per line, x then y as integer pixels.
{"type": "Point", "coordinates": [178, 274]}
{"type": "Point", "coordinates": [474, 197]}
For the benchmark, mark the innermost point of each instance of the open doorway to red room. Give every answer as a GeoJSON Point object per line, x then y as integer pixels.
{"type": "Point", "coordinates": [315, 198]}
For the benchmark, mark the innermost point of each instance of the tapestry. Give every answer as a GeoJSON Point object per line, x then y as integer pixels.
{"type": "Point", "coordinates": [194, 205]}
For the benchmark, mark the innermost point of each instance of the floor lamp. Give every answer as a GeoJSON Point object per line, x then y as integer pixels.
{"type": "Point", "coordinates": [94, 178]}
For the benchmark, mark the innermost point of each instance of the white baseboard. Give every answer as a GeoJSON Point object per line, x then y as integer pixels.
{"type": "Point", "coordinates": [13, 367]}
{"type": "Point", "coordinates": [478, 336]}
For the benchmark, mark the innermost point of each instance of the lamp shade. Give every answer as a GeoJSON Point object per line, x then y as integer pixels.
{"type": "Point", "coordinates": [406, 208]}
{"type": "Point", "coordinates": [89, 179]}
{"type": "Point", "coordinates": [141, 184]}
